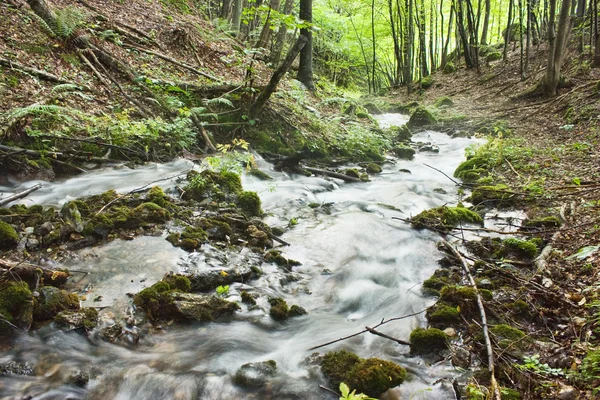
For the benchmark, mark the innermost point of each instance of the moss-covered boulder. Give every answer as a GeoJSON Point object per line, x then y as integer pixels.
{"type": "Point", "coordinates": [445, 218]}
{"type": "Point", "coordinates": [404, 152]}
{"type": "Point", "coordinates": [210, 279]}
{"type": "Point", "coordinates": [8, 236]}
{"type": "Point", "coordinates": [521, 249]}
{"type": "Point", "coordinates": [16, 306]}
{"type": "Point", "coordinates": [427, 82]}
{"type": "Point", "coordinates": [372, 108]}
{"type": "Point", "coordinates": [84, 318]}
{"type": "Point", "coordinates": [371, 376]}
{"type": "Point", "coordinates": [220, 186]}
{"type": "Point", "coordinates": [250, 203]}
{"type": "Point", "coordinates": [255, 375]}
{"type": "Point", "coordinates": [472, 169]}
{"type": "Point", "coordinates": [276, 257]}
{"type": "Point", "coordinates": [157, 196]}
{"type": "Point", "coordinates": [280, 311]}
{"type": "Point", "coordinates": [495, 196]}
{"type": "Point", "coordinates": [427, 341]}
{"type": "Point", "coordinates": [449, 68]}
{"type": "Point", "coordinates": [373, 168]}
{"type": "Point", "coordinates": [420, 117]}
{"type": "Point", "coordinates": [443, 101]}
{"type": "Point", "coordinates": [72, 217]}
{"type": "Point", "coordinates": [401, 133]}
{"type": "Point", "coordinates": [507, 336]}
{"type": "Point", "coordinates": [151, 213]}
{"type": "Point", "coordinates": [52, 301]}
{"type": "Point", "coordinates": [352, 172]}
{"type": "Point", "coordinates": [547, 222]}
{"type": "Point", "coordinates": [442, 314]}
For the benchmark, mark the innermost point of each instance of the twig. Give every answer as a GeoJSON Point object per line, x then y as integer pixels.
{"type": "Point", "coordinates": [14, 65]}
{"type": "Point", "coordinates": [20, 195]}
{"type": "Point", "coordinates": [383, 322]}
{"type": "Point", "coordinates": [275, 238]}
{"type": "Point", "coordinates": [383, 335]}
{"type": "Point", "coordinates": [484, 326]}
{"type": "Point", "coordinates": [512, 168]}
{"type": "Point", "coordinates": [446, 175]}
{"type": "Point", "coordinates": [329, 390]}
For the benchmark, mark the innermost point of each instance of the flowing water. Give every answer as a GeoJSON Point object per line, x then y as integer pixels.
{"type": "Point", "coordinates": [359, 265]}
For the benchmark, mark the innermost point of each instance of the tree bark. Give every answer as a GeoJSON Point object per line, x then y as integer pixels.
{"type": "Point", "coordinates": [555, 58]}
{"type": "Point", "coordinates": [265, 34]}
{"type": "Point", "coordinates": [281, 35]}
{"type": "Point", "coordinates": [41, 9]}
{"type": "Point", "coordinates": [236, 19]}
{"type": "Point", "coordinates": [225, 8]}
{"type": "Point", "coordinates": [486, 22]}
{"type": "Point", "coordinates": [264, 96]}
{"type": "Point", "coordinates": [305, 71]}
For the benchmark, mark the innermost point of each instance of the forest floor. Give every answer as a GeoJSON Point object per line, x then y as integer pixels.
{"type": "Point", "coordinates": [547, 153]}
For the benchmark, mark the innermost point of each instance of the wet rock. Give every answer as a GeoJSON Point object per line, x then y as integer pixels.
{"type": "Point", "coordinates": [566, 392]}
{"type": "Point", "coordinates": [404, 152]}
{"type": "Point", "coordinates": [32, 244]}
{"type": "Point", "coordinates": [429, 148]}
{"type": "Point", "coordinates": [15, 368]}
{"type": "Point", "coordinates": [45, 228]}
{"type": "Point", "coordinates": [255, 375]}
{"type": "Point", "coordinates": [248, 298]}
{"type": "Point", "coordinates": [78, 378]}
{"type": "Point", "coordinates": [373, 168]}
{"type": "Point", "coordinates": [461, 357]}
{"type": "Point", "coordinates": [421, 116]}
{"type": "Point", "coordinates": [72, 217]}
{"type": "Point", "coordinates": [16, 307]}
{"type": "Point", "coordinates": [280, 311]}
{"type": "Point", "coordinates": [53, 300]}
{"type": "Point", "coordinates": [404, 170]}
{"type": "Point", "coordinates": [440, 191]}
{"type": "Point", "coordinates": [202, 308]}
{"type": "Point", "coordinates": [258, 238]}
{"type": "Point", "coordinates": [276, 257]}
{"type": "Point", "coordinates": [151, 213]}
{"type": "Point", "coordinates": [85, 318]}
{"type": "Point", "coordinates": [445, 218]}
{"type": "Point", "coordinates": [210, 279]}
{"type": "Point", "coordinates": [450, 332]}
{"type": "Point", "coordinates": [427, 341]}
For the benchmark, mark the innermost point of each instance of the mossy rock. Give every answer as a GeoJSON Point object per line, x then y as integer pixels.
{"type": "Point", "coordinates": [336, 365]}
{"type": "Point", "coordinates": [420, 117]}
{"type": "Point", "coordinates": [372, 108]}
{"type": "Point", "coordinates": [84, 318]}
{"type": "Point", "coordinates": [257, 173]}
{"type": "Point", "coordinates": [427, 82]}
{"type": "Point", "coordinates": [404, 152]}
{"type": "Point", "coordinates": [443, 101]}
{"type": "Point", "coordinates": [548, 222]}
{"type": "Point", "coordinates": [215, 229]}
{"type": "Point", "coordinates": [352, 172]}
{"type": "Point", "coordinates": [52, 301]}
{"type": "Point", "coordinates": [443, 314]}
{"type": "Point", "coordinates": [8, 236]}
{"type": "Point", "coordinates": [401, 133]}
{"type": "Point", "coordinates": [276, 257]}
{"type": "Point", "coordinates": [427, 341]}
{"type": "Point", "coordinates": [190, 239]}
{"type": "Point", "coordinates": [464, 297]}
{"type": "Point", "coordinates": [72, 217]}
{"type": "Point", "coordinates": [362, 115]}
{"type": "Point", "coordinates": [151, 213]}
{"type": "Point", "coordinates": [507, 336]}
{"type": "Point", "coordinates": [373, 168]}
{"type": "Point", "coordinates": [248, 298]}
{"type": "Point", "coordinates": [496, 196]}
{"type": "Point", "coordinates": [219, 185]}
{"type": "Point", "coordinates": [250, 203]}
{"type": "Point", "coordinates": [157, 196]}
{"type": "Point", "coordinates": [279, 309]}
{"type": "Point", "coordinates": [493, 56]}
{"type": "Point", "coordinates": [178, 282]}
{"type": "Point", "coordinates": [16, 306]}
{"type": "Point", "coordinates": [255, 375]}
{"type": "Point", "coordinates": [296, 311]}
{"type": "Point", "coordinates": [527, 249]}
{"type": "Point", "coordinates": [449, 68]}
{"type": "Point", "coordinates": [472, 169]}
{"type": "Point", "coordinates": [374, 376]}
{"type": "Point", "coordinates": [445, 218]}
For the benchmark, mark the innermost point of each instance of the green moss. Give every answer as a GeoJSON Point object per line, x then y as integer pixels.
{"type": "Point", "coordinates": [16, 305]}
{"type": "Point", "coordinates": [510, 394]}
{"type": "Point", "coordinates": [279, 309]}
{"type": "Point", "coordinates": [86, 317]}
{"type": "Point", "coordinates": [157, 196]}
{"type": "Point", "coordinates": [449, 68]}
{"type": "Point", "coordinates": [250, 203]}
{"type": "Point", "coordinates": [472, 169]}
{"type": "Point", "coordinates": [189, 244]}
{"type": "Point", "coordinates": [179, 282]}
{"type": "Point", "coordinates": [507, 336]}
{"type": "Point", "coordinates": [18, 209]}
{"type": "Point", "coordinates": [519, 307]}
{"type": "Point", "coordinates": [427, 82]}
{"type": "Point", "coordinates": [443, 101]}
{"type": "Point", "coordinates": [362, 114]}
{"type": "Point", "coordinates": [151, 213]}
{"type": "Point", "coordinates": [548, 222]}
{"type": "Point", "coordinates": [35, 209]}
{"type": "Point", "coordinates": [458, 295]}
{"type": "Point", "coordinates": [52, 301]}
{"type": "Point", "coordinates": [373, 168]}
{"type": "Point", "coordinates": [426, 341]}
{"type": "Point", "coordinates": [445, 218]}
{"type": "Point", "coordinates": [404, 152]}
{"type": "Point", "coordinates": [8, 236]}
{"type": "Point", "coordinates": [257, 173]}
{"type": "Point", "coordinates": [248, 298]}
{"type": "Point", "coordinates": [336, 365]}
{"type": "Point", "coordinates": [421, 116]}
{"type": "Point", "coordinates": [521, 248]}
{"type": "Point", "coordinates": [352, 172]}
{"type": "Point", "coordinates": [498, 196]}
{"type": "Point", "coordinates": [296, 311]}
{"type": "Point", "coordinates": [215, 229]}
{"type": "Point", "coordinates": [374, 376]}
{"type": "Point", "coordinates": [443, 314]}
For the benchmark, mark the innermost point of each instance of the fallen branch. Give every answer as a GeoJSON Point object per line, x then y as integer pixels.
{"type": "Point", "coordinates": [55, 154]}
{"type": "Point", "coordinates": [178, 63]}
{"type": "Point", "coordinates": [97, 143]}
{"type": "Point", "coordinates": [484, 326]}
{"type": "Point", "coordinates": [20, 195]}
{"type": "Point", "coordinates": [30, 273]}
{"type": "Point", "coordinates": [383, 322]}
{"type": "Point", "coordinates": [332, 174]}
{"type": "Point", "coordinates": [36, 72]}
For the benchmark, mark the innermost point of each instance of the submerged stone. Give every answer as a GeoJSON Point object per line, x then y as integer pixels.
{"type": "Point", "coordinates": [255, 375]}
{"type": "Point", "coordinates": [209, 280]}
{"type": "Point", "coordinates": [84, 318]}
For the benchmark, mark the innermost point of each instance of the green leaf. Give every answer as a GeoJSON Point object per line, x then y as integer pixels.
{"type": "Point", "coordinates": [584, 253]}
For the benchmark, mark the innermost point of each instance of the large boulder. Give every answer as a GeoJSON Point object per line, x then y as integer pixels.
{"type": "Point", "coordinates": [420, 117]}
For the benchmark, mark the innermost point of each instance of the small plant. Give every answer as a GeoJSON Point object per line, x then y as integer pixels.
{"type": "Point", "coordinates": [533, 364]}
{"type": "Point", "coordinates": [348, 395]}
{"type": "Point", "coordinates": [293, 222]}
{"type": "Point", "coordinates": [223, 290]}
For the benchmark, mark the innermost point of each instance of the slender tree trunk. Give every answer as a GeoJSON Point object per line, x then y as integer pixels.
{"type": "Point", "coordinates": [397, 55]}
{"type": "Point", "coordinates": [529, 33]}
{"type": "Point", "coordinates": [265, 34]}
{"type": "Point", "coordinates": [225, 9]}
{"type": "Point", "coordinates": [432, 34]}
{"type": "Point", "coordinates": [555, 58]}
{"type": "Point", "coordinates": [450, 24]}
{"type": "Point", "coordinates": [364, 54]}
{"type": "Point", "coordinates": [596, 36]}
{"type": "Point", "coordinates": [508, 29]}
{"type": "Point", "coordinates": [374, 53]}
{"type": "Point", "coordinates": [486, 22]}
{"type": "Point", "coordinates": [422, 41]}
{"type": "Point", "coordinates": [281, 35]}
{"type": "Point", "coordinates": [236, 19]}
{"type": "Point", "coordinates": [264, 96]}
{"type": "Point", "coordinates": [460, 19]}
{"type": "Point", "coordinates": [40, 8]}
{"type": "Point", "coordinates": [409, 45]}
{"type": "Point", "coordinates": [305, 71]}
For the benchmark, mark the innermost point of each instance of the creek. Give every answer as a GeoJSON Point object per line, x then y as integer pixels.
{"type": "Point", "coordinates": [358, 266]}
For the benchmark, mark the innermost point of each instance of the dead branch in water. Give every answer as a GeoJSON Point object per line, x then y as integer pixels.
{"type": "Point", "coordinates": [20, 195]}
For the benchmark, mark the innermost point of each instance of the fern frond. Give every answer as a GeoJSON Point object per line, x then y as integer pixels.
{"type": "Point", "coordinates": [39, 110]}
{"type": "Point", "coordinates": [49, 30]}
{"type": "Point", "coordinates": [197, 111]}
{"type": "Point", "coordinates": [65, 87]}
{"type": "Point", "coordinates": [67, 21]}
{"type": "Point", "coordinates": [221, 101]}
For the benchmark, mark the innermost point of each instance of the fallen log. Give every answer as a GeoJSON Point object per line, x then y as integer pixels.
{"type": "Point", "coordinates": [31, 273]}
{"type": "Point", "coordinates": [36, 72]}
{"type": "Point", "coordinates": [20, 195]}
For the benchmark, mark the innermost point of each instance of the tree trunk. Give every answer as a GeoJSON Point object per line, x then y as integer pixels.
{"type": "Point", "coordinates": [225, 9]}
{"type": "Point", "coordinates": [555, 58]}
{"type": "Point", "coordinates": [397, 55]}
{"type": "Point", "coordinates": [597, 36]}
{"type": "Point", "coordinates": [40, 8]}
{"type": "Point", "coordinates": [374, 52]}
{"type": "Point", "coordinates": [281, 35]}
{"type": "Point", "coordinates": [408, 45]}
{"type": "Point", "coordinates": [305, 72]}
{"type": "Point", "coordinates": [450, 24]}
{"type": "Point", "coordinates": [486, 22]}
{"type": "Point", "coordinates": [508, 29]}
{"type": "Point", "coordinates": [265, 34]}
{"type": "Point", "coordinates": [264, 96]}
{"type": "Point", "coordinates": [236, 19]}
